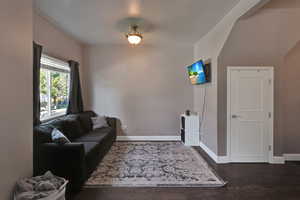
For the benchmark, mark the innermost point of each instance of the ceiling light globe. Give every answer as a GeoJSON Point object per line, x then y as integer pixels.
{"type": "Point", "coordinates": [134, 39]}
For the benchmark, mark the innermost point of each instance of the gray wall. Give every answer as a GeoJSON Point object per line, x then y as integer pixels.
{"type": "Point", "coordinates": [264, 39]}
{"type": "Point", "coordinates": [16, 93]}
{"type": "Point", "coordinates": [146, 87]}
{"type": "Point", "coordinates": [291, 100]}
{"type": "Point", "coordinates": [209, 47]}
{"type": "Point", "coordinates": [56, 42]}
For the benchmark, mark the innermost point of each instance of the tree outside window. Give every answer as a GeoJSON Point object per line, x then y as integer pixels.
{"type": "Point", "coordinates": [54, 92]}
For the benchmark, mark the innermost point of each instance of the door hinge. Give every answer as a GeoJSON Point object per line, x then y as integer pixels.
{"type": "Point", "coordinates": [270, 115]}
{"type": "Point", "coordinates": [270, 148]}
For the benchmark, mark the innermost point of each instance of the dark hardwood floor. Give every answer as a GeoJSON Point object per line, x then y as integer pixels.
{"type": "Point", "coordinates": [245, 182]}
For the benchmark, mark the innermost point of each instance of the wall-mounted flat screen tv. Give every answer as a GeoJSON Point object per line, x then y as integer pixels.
{"type": "Point", "coordinates": [199, 73]}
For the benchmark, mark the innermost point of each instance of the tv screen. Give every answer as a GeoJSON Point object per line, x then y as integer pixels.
{"type": "Point", "coordinates": [197, 73]}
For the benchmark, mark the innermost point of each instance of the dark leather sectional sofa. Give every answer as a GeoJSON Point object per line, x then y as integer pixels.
{"type": "Point", "coordinates": [74, 161]}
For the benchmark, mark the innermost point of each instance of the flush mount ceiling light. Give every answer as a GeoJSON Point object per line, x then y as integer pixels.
{"type": "Point", "coordinates": [133, 36]}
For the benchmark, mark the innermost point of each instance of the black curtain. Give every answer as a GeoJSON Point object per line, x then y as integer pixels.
{"type": "Point", "coordinates": [75, 97]}
{"type": "Point", "coordinates": [37, 53]}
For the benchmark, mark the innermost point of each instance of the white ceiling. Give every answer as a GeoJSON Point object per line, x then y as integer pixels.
{"type": "Point", "coordinates": [174, 21]}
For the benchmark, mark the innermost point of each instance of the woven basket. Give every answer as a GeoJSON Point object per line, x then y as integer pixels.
{"type": "Point", "coordinates": [57, 195]}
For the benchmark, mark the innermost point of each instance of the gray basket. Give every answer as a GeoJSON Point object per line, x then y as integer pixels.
{"type": "Point", "coordinates": [56, 195]}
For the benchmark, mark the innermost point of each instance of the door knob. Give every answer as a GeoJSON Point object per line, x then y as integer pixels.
{"type": "Point", "coordinates": [235, 116]}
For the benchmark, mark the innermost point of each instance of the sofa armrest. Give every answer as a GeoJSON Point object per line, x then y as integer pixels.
{"type": "Point", "coordinates": [66, 160]}
{"type": "Point", "coordinates": [112, 122]}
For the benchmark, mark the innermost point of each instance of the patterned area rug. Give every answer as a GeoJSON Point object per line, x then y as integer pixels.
{"type": "Point", "coordinates": [153, 164]}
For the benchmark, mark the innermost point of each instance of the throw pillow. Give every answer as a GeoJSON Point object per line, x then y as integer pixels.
{"type": "Point", "coordinates": [99, 122]}
{"type": "Point", "coordinates": [58, 137]}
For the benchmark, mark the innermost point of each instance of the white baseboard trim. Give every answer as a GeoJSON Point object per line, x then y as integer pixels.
{"type": "Point", "coordinates": [291, 157]}
{"type": "Point", "coordinates": [277, 160]}
{"type": "Point", "coordinates": [285, 157]}
{"type": "Point", "coordinates": [212, 155]}
{"type": "Point", "coordinates": [148, 138]}
{"type": "Point", "coordinates": [223, 160]}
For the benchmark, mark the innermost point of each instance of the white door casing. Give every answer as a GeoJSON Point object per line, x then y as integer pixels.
{"type": "Point", "coordinates": [250, 114]}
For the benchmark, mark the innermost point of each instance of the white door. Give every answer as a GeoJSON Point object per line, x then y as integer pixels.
{"type": "Point", "coordinates": [250, 91]}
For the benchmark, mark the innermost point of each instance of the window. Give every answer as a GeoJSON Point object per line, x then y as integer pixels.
{"type": "Point", "coordinates": [54, 87]}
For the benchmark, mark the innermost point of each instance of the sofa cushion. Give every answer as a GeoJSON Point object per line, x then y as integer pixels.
{"type": "Point", "coordinates": [43, 134]}
{"type": "Point", "coordinates": [85, 119]}
{"type": "Point", "coordinates": [56, 123]}
{"type": "Point", "coordinates": [95, 136]}
{"type": "Point", "coordinates": [89, 147]}
{"type": "Point", "coordinates": [69, 125]}
{"type": "Point", "coordinates": [72, 127]}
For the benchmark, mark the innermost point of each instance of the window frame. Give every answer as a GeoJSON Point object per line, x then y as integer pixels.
{"type": "Point", "coordinates": [54, 65]}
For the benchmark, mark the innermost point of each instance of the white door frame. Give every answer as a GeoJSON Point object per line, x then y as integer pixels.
{"type": "Point", "coordinates": [271, 121]}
